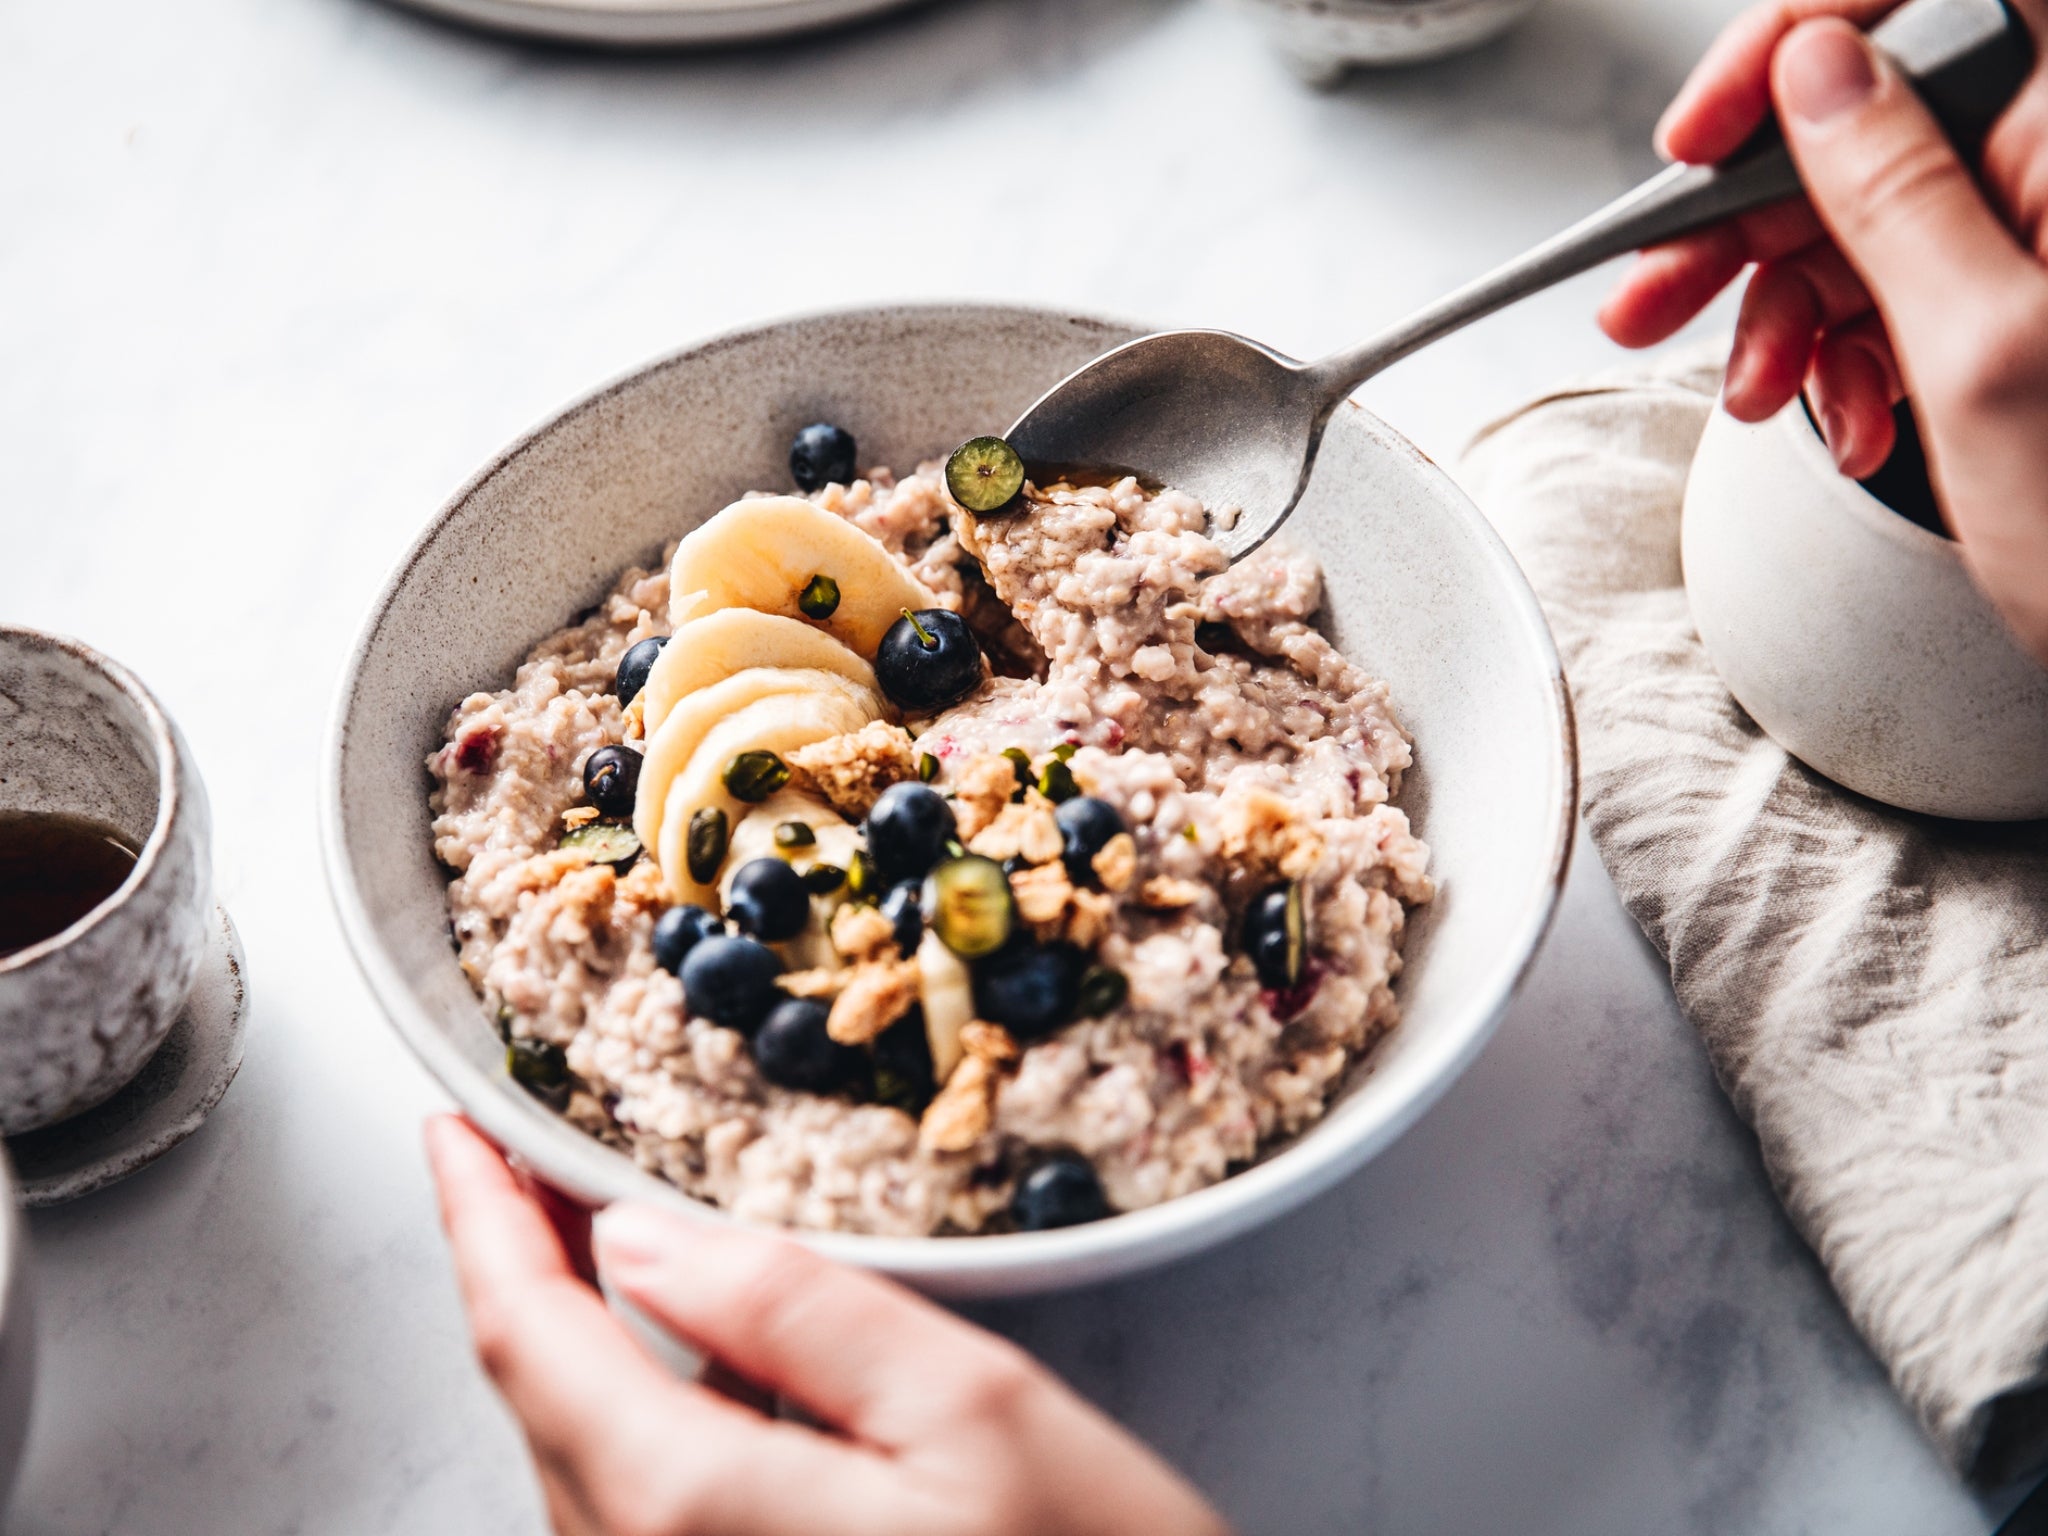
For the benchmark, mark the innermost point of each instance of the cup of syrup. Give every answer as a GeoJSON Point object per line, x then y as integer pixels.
{"type": "Point", "coordinates": [106, 878]}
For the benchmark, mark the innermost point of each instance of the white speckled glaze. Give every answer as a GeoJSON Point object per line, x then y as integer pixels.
{"type": "Point", "coordinates": [1321, 39]}
{"type": "Point", "coordinates": [81, 1012]}
{"type": "Point", "coordinates": [1420, 591]}
{"type": "Point", "coordinates": [17, 1337]}
{"type": "Point", "coordinates": [1854, 637]}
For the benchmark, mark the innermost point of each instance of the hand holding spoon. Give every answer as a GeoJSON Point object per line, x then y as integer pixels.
{"type": "Point", "coordinates": [1238, 424]}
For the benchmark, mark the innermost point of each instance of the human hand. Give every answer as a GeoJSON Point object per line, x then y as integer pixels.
{"type": "Point", "coordinates": [1900, 277]}
{"type": "Point", "coordinates": [934, 1428]}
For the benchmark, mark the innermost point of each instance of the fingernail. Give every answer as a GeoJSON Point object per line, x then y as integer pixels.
{"type": "Point", "coordinates": [1736, 379]}
{"type": "Point", "coordinates": [1834, 430]}
{"type": "Point", "coordinates": [633, 1236]}
{"type": "Point", "coordinates": [1826, 71]}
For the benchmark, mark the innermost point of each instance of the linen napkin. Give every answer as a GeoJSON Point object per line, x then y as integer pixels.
{"type": "Point", "coordinates": [1871, 985]}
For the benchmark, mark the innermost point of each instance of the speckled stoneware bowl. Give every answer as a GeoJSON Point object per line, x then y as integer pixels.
{"type": "Point", "coordinates": [1322, 39]}
{"type": "Point", "coordinates": [81, 1012]}
{"type": "Point", "coordinates": [1419, 591]}
{"type": "Point", "coordinates": [1854, 637]}
{"type": "Point", "coordinates": [656, 23]}
{"type": "Point", "coordinates": [17, 1338]}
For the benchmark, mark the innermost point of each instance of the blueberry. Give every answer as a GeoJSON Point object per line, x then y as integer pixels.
{"type": "Point", "coordinates": [768, 900]}
{"type": "Point", "coordinates": [678, 931]}
{"type": "Point", "coordinates": [928, 659]}
{"type": "Point", "coordinates": [611, 777]}
{"type": "Point", "coordinates": [793, 1051]}
{"type": "Point", "coordinates": [634, 667]}
{"type": "Point", "coordinates": [730, 981]}
{"type": "Point", "coordinates": [904, 1078]}
{"type": "Point", "coordinates": [905, 916]}
{"type": "Point", "coordinates": [907, 831]}
{"type": "Point", "coordinates": [821, 455]}
{"type": "Point", "coordinates": [1276, 936]}
{"type": "Point", "coordinates": [1086, 826]}
{"type": "Point", "coordinates": [1062, 1191]}
{"type": "Point", "coordinates": [1030, 989]}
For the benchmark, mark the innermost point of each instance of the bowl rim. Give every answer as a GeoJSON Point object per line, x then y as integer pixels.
{"type": "Point", "coordinates": [1004, 1263]}
{"type": "Point", "coordinates": [169, 804]}
{"type": "Point", "coordinates": [1810, 452]}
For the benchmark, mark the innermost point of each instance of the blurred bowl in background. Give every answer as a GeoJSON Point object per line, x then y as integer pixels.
{"type": "Point", "coordinates": [1853, 635]}
{"type": "Point", "coordinates": [1321, 39]}
{"type": "Point", "coordinates": [654, 23]}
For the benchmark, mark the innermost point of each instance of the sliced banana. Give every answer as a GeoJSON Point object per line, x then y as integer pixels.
{"type": "Point", "coordinates": [709, 649]}
{"type": "Point", "coordinates": [778, 723]}
{"type": "Point", "coordinates": [762, 553]}
{"type": "Point", "coordinates": [837, 842]}
{"type": "Point", "coordinates": [946, 988]}
{"type": "Point", "coordinates": [685, 726]}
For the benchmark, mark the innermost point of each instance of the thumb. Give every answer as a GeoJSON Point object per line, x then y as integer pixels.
{"type": "Point", "coordinates": [1890, 188]}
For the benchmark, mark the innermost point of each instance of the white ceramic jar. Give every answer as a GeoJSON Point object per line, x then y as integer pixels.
{"type": "Point", "coordinates": [1321, 39]}
{"type": "Point", "coordinates": [1854, 636]}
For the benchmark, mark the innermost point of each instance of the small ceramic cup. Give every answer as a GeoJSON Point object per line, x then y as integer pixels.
{"type": "Point", "coordinates": [1322, 39]}
{"type": "Point", "coordinates": [1853, 635]}
{"type": "Point", "coordinates": [81, 1012]}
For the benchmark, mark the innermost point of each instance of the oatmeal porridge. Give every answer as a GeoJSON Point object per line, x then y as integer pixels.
{"type": "Point", "coordinates": [882, 865]}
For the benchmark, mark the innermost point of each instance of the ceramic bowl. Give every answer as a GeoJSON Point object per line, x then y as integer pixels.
{"type": "Point", "coordinates": [1855, 637]}
{"type": "Point", "coordinates": [17, 1337]}
{"type": "Point", "coordinates": [82, 1011]}
{"type": "Point", "coordinates": [656, 23]}
{"type": "Point", "coordinates": [1321, 39]}
{"type": "Point", "coordinates": [1420, 591]}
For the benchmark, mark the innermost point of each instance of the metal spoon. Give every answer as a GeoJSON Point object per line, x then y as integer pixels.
{"type": "Point", "coordinates": [1238, 424]}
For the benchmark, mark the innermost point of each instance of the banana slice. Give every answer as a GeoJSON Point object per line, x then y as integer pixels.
{"type": "Point", "coordinates": [837, 842]}
{"type": "Point", "coordinates": [778, 723]}
{"type": "Point", "coordinates": [684, 728]}
{"type": "Point", "coordinates": [762, 554]}
{"type": "Point", "coordinates": [709, 649]}
{"type": "Point", "coordinates": [946, 988]}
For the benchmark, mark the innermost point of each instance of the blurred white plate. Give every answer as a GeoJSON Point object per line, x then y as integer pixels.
{"type": "Point", "coordinates": [655, 23]}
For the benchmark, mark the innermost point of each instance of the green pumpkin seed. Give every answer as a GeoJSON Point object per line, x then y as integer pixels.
{"type": "Point", "coordinates": [823, 879]}
{"type": "Point", "coordinates": [819, 598]}
{"type": "Point", "coordinates": [710, 832]}
{"type": "Point", "coordinates": [927, 767]}
{"type": "Point", "coordinates": [754, 776]}
{"type": "Point", "coordinates": [795, 834]}
{"type": "Point", "coordinates": [540, 1068]}
{"type": "Point", "coordinates": [1103, 989]}
{"type": "Point", "coordinates": [1056, 782]}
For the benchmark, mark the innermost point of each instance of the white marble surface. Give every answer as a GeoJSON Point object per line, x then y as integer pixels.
{"type": "Point", "coordinates": [279, 273]}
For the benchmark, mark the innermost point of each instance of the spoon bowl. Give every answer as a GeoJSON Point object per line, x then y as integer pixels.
{"type": "Point", "coordinates": [1261, 417]}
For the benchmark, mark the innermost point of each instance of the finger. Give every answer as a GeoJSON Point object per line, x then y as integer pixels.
{"type": "Point", "coordinates": [1896, 198]}
{"type": "Point", "coordinates": [567, 1369]}
{"type": "Point", "coordinates": [2015, 162]}
{"type": "Point", "coordinates": [1671, 283]}
{"type": "Point", "coordinates": [1788, 304]}
{"type": "Point", "coordinates": [1853, 385]}
{"type": "Point", "coordinates": [570, 1219]}
{"type": "Point", "coordinates": [856, 1351]}
{"type": "Point", "coordinates": [1728, 94]}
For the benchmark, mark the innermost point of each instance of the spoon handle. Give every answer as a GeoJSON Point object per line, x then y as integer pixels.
{"type": "Point", "coordinates": [1967, 59]}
